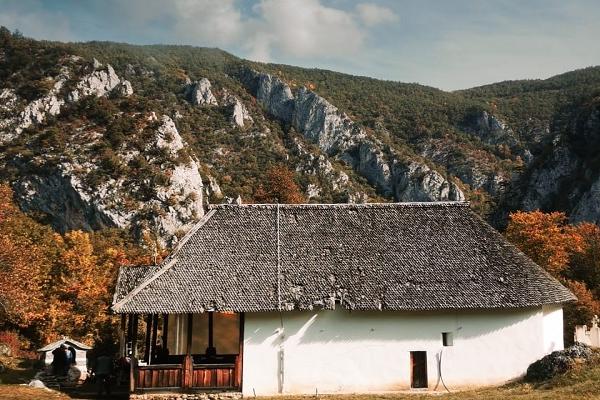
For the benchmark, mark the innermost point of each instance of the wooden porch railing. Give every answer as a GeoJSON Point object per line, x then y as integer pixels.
{"type": "Point", "coordinates": [160, 376]}
{"type": "Point", "coordinates": [186, 376]}
{"type": "Point", "coordinates": [213, 376]}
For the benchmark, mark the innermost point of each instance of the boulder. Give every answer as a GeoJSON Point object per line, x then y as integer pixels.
{"type": "Point", "coordinates": [97, 83]}
{"type": "Point", "coordinates": [36, 383]}
{"type": "Point", "coordinates": [558, 362]}
{"type": "Point", "coordinates": [125, 88]}
{"type": "Point", "coordinates": [239, 113]}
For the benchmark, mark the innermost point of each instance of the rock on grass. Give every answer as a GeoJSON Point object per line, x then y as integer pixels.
{"type": "Point", "coordinates": [557, 362]}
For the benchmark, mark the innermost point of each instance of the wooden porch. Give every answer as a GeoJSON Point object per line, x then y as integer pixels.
{"type": "Point", "coordinates": [154, 368]}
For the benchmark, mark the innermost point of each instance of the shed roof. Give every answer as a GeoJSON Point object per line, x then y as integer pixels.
{"type": "Point", "coordinates": [66, 341]}
{"type": "Point", "coordinates": [400, 256]}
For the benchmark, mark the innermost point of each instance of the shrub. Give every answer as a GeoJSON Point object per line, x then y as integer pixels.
{"type": "Point", "coordinates": [16, 345]}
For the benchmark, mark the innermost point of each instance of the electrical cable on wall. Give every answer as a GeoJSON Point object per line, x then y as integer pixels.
{"type": "Point", "coordinates": [440, 378]}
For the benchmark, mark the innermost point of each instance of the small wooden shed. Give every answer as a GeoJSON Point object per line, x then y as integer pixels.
{"type": "Point", "coordinates": [80, 352]}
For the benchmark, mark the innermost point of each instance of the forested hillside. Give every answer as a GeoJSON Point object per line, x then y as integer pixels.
{"type": "Point", "coordinates": [140, 139]}
{"type": "Point", "coordinates": [506, 146]}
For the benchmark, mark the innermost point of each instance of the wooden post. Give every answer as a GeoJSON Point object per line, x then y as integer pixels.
{"type": "Point", "coordinates": [132, 374]}
{"type": "Point", "coordinates": [188, 363]}
{"type": "Point", "coordinates": [148, 338]}
{"type": "Point", "coordinates": [210, 329]}
{"type": "Point", "coordinates": [123, 336]}
{"type": "Point", "coordinates": [165, 330]}
{"type": "Point", "coordinates": [239, 362]}
{"type": "Point", "coordinates": [153, 337]}
{"type": "Point", "coordinates": [134, 329]}
{"type": "Point", "coordinates": [129, 334]}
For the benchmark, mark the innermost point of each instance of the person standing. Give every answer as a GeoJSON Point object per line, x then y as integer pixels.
{"type": "Point", "coordinates": [72, 355]}
{"type": "Point", "coordinates": [59, 360]}
{"type": "Point", "coordinates": [67, 356]}
{"type": "Point", "coordinates": [103, 371]}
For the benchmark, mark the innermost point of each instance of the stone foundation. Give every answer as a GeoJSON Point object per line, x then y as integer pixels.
{"type": "Point", "coordinates": [187, 396]}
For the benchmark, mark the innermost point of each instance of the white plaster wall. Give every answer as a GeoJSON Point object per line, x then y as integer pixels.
{"type": "Point", "coordinates": [342, 351]}
{"type": "Point", "coordinates": [553, 328]}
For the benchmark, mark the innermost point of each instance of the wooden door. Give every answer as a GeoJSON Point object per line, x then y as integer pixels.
{"type": "Point", "coordinates": [418, 368]}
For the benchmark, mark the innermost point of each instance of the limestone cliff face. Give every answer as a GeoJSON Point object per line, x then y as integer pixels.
{"type": "Point", "coordinates": [65, 194]}
{"type": "Point", "coordinates": [97, 83]}
{"type": "Point", "coordinates": [101, 81]}
{"type": "Point", "coordinates": [566, 176]}
{"type": "Point", "coordinates": [67, 200]}
{"type": "Point", "coordinates": [273, 94]}
{"type": "Point", "coordinates": [199, 93]}
{"type": "Point", "coordinates": [32, 113]}
{"type": "Point", "coordinates": [323, 124]}
{"type": "Point", "coordinates": [239, 114]}
{"type": "Point", "coordinates": [494, 131]}
{"type": "Point", "coordinates": [544, 184]}
{"type": "Point", "coordinates": [338, 136]}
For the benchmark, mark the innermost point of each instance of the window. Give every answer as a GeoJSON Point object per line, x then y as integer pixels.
{"type": "Point", "coordinates": [447, 339]}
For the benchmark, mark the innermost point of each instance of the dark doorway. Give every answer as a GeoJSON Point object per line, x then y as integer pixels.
{"type": "Point", "coordinates": [418, 368]}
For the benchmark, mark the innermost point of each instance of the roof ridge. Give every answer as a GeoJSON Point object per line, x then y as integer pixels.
{"type": "Point", "coordinates": [423, 204]}
{"type": "Point", "coordinates": [57, 343]}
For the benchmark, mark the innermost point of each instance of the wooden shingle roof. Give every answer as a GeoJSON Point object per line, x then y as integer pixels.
{"type": "Point", "coordinates": [401, 256]}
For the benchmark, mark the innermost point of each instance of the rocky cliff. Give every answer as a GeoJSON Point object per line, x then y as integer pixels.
{"type": "Point", "coordinates": [567, 174]}
{"type": "Point", "coordinates": [96, 135]}
{"type": "Point", "coordinates": [70, 186]}
{"type": "Point", "coordinates": [339, 137]}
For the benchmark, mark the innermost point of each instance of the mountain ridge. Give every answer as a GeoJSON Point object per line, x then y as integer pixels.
{"type": "Point", "coordinates": [403, 141]}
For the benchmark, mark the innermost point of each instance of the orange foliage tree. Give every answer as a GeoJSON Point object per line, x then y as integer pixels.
{"type": "Point", "coordinates": [26, 258]}
{"type": "Point", "coordinates": [52, 285]}
{"type": "Point", "coordinates": [585, 264]}
{"type": "Point", "coordinates": [280, 187]}
{"type": "Point", "coordinates": [571, 253]}
{"type": "Point", "coordinates": [545, 237]}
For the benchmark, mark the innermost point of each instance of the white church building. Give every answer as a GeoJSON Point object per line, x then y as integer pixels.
{"type": "Point", "coordinates": [345, 298]}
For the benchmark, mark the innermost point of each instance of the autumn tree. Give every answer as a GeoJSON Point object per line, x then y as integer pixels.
{"type": "Point", "coordinates": [280, 187]}
{"type": "Point", "coordinates": [571, 253]}
{"type": "Point", "coordinates": [53, 285]}
{"type": "Point", "coordinates": [27, 250]}
{"type": "Point", "coordinates": [585, 264]}
{"type": "Point", "coordinates": [580, 312]}
{"type": "Point", "coordinates": [546, 238]}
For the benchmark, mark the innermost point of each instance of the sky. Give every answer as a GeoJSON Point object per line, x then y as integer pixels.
{"type": "Point", "coordinates": [449, 44]}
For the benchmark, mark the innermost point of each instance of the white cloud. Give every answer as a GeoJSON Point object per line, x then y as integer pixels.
{"type": "Point", "coordinates": [373, 14]}
{"type": "Point", "coordinates": [302, 29]}
{"type": "Point", "coordinates": [199, 22]}
{"type": "Point", "coordinates": [217, 22]}
{"type": "Point", "coordinates": [281, 28]}
{"type": "Point", "coordinates": [29, 17]}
